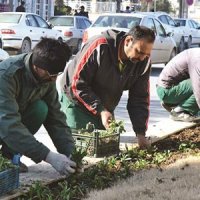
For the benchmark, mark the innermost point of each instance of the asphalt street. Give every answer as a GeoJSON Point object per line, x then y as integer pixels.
{"type": "Point", "coordinates": [157, 113]}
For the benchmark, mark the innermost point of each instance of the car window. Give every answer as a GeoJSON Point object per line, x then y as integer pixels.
{"type": "Point", "coordinates": [117, 21]}
{"type": "Point", "coordinates": [62, 21]}
{"type": "Point", "coordinates": [30, 21]}
{"type": "Point", "coordinates": [42, 23]}
{"type": "Point", "coordinates": [148, 22]}
{"type": "Point", "coordinates": [190, 24]}
{"type": "Point", "coordinates": [195, 25]}
{"type": "Point", "coordinates": [10, 18]}
{"type": "Point", "coordinates": [181, 22]}
{"type": "Point", "coordinates": [87, 22]}
{"type": "Point", "coordinates": [80, 23]}
{"type": "Point", "coordinates": [160, 29]}
{"type": "Point", "coordinates": [163, 19]}
{"type": "Point", "coordinates": [170, 21]}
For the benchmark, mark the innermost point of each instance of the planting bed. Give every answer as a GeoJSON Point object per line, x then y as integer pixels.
{"type": "Point", "coordinates": [127, 164]}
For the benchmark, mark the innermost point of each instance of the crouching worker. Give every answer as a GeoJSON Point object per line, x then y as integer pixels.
{"type": "Point", "coordinates": [107, 65]}
{"type": "Point", "coordinates": [28, 99]}
{"type": "Point", "coordinates": [179, 86]}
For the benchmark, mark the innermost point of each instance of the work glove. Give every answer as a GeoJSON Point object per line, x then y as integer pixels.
{"type": "Point", "coordinates": [61, 163]}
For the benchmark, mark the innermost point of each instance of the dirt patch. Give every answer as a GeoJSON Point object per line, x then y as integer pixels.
{"type": "Point", "coordinates": [133, 164]}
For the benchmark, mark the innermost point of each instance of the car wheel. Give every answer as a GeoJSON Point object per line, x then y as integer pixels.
{"type": "Point", "coordinates": [26, 46]}
{"type": "Point", "coordinates": [173, 54]}
{"type": "Point", "coordinates": [60, 39]}
{"type": "Point", "coordinates": [189, 43]}
{"type": "Point", "coordinates": [181, 46]}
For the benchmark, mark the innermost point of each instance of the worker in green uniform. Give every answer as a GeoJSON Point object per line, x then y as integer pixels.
{"type": "Point", "coordinates": [28, 99]}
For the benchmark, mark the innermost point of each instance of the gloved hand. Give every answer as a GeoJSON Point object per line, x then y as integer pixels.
{"type": "Point", "coordinates": [61, 163]}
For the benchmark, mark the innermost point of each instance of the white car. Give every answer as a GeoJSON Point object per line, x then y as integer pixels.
{"type": "Point", "coordinates": [164, 46]}
{"type": "Point", "coordinates": [191, 30]}
{"type": "Point", "coordinates": [171, 26]}
{"type": "Point", "coordinates": [72, 29]}
{"type": "Point", "coordinates": [22, 31]}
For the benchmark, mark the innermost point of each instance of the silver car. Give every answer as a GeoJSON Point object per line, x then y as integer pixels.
{"type": "Point", "coordinates": [171, 26]}
{"type": "Point", "coordinates": [164, 46]}
{"type": "Point", "coordinates": [191, 30]}
{"type": "Point", "coordinates": [21, 31]}
{"type": "Point", "coordinates": [72, 29]}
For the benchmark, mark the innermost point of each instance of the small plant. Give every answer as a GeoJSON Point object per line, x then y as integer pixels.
{"type": "Point", "coordinates": [5, 164]}
{"type": "Point", "coordinates": [39, 192]}
{"type": "Point", "coordinates": [184, 147]}
{"type": "Point", "coordinates": [77, 156]}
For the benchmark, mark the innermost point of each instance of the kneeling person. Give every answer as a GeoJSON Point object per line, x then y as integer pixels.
{"type": "Point", "coordinates": [28, 99]}
{"type": "Point", "coordinates": [179, 86]}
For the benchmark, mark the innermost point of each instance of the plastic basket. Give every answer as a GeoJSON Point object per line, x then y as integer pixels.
{"type": "Point", "coordinates": [98, 146]}
{"type": "Point", "coordinates": [9, 180]}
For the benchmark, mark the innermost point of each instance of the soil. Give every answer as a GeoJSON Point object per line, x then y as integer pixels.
{"type": "Point", "coordinates": [188, 138]}
{"type": "Point", "coordinates": [172, 143]}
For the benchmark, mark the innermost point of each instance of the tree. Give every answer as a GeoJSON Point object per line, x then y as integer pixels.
{"type": "Point", "coordinates": [59, 8]}
{"type": "Point", "coordinates": [161, 5]}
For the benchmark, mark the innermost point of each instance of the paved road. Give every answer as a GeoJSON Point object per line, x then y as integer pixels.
{"type": "Point", "coordinates": [156, 111]}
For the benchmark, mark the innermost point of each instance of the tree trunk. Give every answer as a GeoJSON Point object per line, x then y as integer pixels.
{"type": "Point", "coordinates": [118, 6]}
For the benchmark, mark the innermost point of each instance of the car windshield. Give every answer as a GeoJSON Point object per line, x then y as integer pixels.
{"type": "Point", "coordinates": [10, 18]}
{"type": "Point", "coordinates": [117, 21]}
{"type": "Point", "coordinates": [62, 21]}
{"type": "Point", "coordinates": [181, 22]}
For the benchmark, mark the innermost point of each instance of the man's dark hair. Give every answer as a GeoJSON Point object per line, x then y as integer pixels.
{"type": "Point", "coordinates": [82, 7]}
{"type": "Point", "coordinates": [51, 55]}
{"type": "Point", "coordinates": [22, 3]}
{"type": "Point", "coordinates": [142, 33]}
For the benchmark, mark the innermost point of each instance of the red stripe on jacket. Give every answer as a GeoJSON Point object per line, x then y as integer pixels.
{"type": "Point", "coordinates": [81, 65]}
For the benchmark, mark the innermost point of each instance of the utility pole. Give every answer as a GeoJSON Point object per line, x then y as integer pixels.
{"type": "Point", "coordinates": [181, 8]}
{"type": "Point", "coordinates": [154, 5]}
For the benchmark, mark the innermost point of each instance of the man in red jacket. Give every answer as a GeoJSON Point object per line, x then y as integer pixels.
{"type": "Point", "coordinates": [107, 65]}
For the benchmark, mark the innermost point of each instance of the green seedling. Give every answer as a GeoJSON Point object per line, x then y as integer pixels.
{"type": "Point", "coordinates": [39, 192]}
{"type": "Point", "coordinates": [77, 156]}
{"type": "Point", "coordinates": [5, 164]}
{"type": "Point", "coordinates": [184, 147]}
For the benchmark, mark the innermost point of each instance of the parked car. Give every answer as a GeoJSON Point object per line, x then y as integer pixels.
{"type": "Point", "coordinates": [171, 26]}
{"type": "Point", "coordinates": [72, 29]}
{"type": "Point", "coordinates": [22, 31]}
{"type": "Point", "coordinates": [191, 30]}
{"type": "Point", "coordinates": [164, 47]}
{"type": "Point", "coordinates": [3, 54]}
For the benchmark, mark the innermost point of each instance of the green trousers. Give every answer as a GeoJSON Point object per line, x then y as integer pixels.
{"type": "Point", "coordinates": [179, 95]}
{"type": "Point", "coordinates": [77, 117]}
{"type": "Point", "coordinates": [33, 117]}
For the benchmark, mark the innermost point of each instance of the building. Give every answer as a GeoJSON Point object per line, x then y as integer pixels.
{"type": "Point", "coordinates": [44, 8]}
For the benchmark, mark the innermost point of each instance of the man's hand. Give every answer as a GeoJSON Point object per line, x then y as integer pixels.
{"type": "Point", "coordinates": [106, 118]}
{"type": "Point", "coordinates": [61, 163]}
{"type": "Point", "coordinates": [143, 142]}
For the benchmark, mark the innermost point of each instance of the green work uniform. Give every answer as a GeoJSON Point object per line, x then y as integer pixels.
{"type": "Point", "coordinates": [181, 94]}
{"type": "Point", "coordinates": [25, 104]}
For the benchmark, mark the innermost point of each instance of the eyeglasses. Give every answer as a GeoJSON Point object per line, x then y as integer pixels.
{"type": "Point", "coordinates": [53, 75]}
